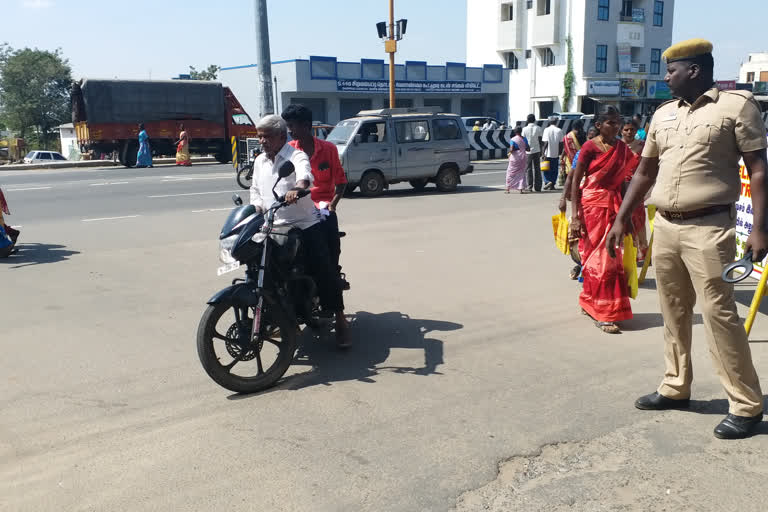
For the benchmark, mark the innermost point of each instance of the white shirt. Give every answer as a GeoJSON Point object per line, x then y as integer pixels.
{"type": "Point", "coordinates": [532, 133]}
{"type": "Point", "coordinates": [303, 213]}
{"type": "Point", "coordinates": [552, 136]}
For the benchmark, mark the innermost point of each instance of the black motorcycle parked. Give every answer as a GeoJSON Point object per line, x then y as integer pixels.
{"type": "Point", "coordinates": [247, 336]}
{"type": "Point", "coordinates": [245, 172]}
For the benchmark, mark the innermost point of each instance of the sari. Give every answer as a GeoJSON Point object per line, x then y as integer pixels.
{"type": "Point", "coordinates": [182, 150]}
{"type": "Point", "coordinates": [144, 157]}
{"type": "Point", "coordinates": [517, 162]}
{"type": "Point", "coordinates": [572, 146]}
{"type": "Point", "coordinates": [605, 296]}
{"type": "Point", "coordinates": [638, 216]}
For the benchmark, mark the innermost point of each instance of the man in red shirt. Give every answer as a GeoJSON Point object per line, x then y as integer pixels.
{"type": "Point", "coordinates": [329, 178]}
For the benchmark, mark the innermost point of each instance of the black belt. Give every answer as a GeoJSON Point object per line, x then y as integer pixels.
{"type": "Point", "coordinates": [701, 212]}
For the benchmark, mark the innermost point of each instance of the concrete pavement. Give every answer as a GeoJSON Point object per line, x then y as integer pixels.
{"type": "Point", "coordinates": [470, 350]}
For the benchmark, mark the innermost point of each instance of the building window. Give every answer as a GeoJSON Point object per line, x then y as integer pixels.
{"type": "Point", "coordinates": [603, 8]}
{"type": "Point", "coordinates": [655, 61]}
{"type": "Point", "coordinates": [527, 54]}
{"type": "Point", "coordinates": [529, 4]}
{"type": "Point", "coordinates": [750, 77]}
{"type": "Point", "coordinates": [658, 13]}
{"type": "Point", "coordinates": [626, 9]}
{"type": "Point", "coordinates": [547, 57]}
{"type": "Point", "coordinates": [512, 62]}
{"type": "Point", "coordinates": [544, 7]}
{"type": "Point", "coordinates": [507, 12]}
{"type": "Point", "coordinates": [601, 65]}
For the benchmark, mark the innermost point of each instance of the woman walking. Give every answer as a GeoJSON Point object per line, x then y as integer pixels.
{"type": "Point", "coordinates": [182, 148]}
{"type": "Point", "coordinates": [602, 163]}
{"type": "Point", "coordinates": [572, 143]}
{"type": "Point", "coordinates": [144, 157]}
{"type": "Point", "coordinates": [628, 135]}
{"type": "Point", "coordinates": [517, 162]}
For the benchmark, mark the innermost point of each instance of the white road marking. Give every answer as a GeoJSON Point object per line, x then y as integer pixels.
{"type": "Point", "coordinates": [112, 218]}
{"type": "Point", "coordinates": [108, 183]}
{"type": "Point", "coordinates": [172, 180]}
{"type": "Point", "coordinates": [28, 188]}
{"type": "Point", "coordinates": [479, 173]}
{"type": "Point", "coordinates": [212, 210]}
{"type": "Point", "coordinates": [195, 194]}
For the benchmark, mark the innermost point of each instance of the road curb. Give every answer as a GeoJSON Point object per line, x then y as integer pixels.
{"type": "Point", "coordinates": [84, 164]}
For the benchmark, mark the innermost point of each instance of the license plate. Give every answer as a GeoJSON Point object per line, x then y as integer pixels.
{"type": "Point", "coordinates": [229, 267]}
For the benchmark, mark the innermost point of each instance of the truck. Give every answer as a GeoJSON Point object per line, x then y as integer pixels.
{"type": "Point", "coordinates": [106, 115]}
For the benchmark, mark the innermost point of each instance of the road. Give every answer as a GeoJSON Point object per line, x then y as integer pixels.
{"type": "Point", "coordinates": [474, 382]}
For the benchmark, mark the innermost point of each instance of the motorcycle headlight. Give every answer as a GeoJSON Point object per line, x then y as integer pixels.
{"type": "Point", "coordinates": [225, 249]}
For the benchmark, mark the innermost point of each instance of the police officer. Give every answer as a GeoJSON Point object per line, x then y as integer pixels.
{"type": "Point", "coordinates": [692, 156]}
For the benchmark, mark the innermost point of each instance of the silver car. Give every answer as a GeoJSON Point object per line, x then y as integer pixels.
{"type": "Point", "coordinates": [418, 145]}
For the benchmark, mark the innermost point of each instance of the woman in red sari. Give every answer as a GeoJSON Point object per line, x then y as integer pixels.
{"type": "Point", "coordinates": [628, 132]}
{"type": "Point", "coordinates": [602, 163]}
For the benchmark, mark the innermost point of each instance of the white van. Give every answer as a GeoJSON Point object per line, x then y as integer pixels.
{"type": "Point", "coordinates": [418, 145]}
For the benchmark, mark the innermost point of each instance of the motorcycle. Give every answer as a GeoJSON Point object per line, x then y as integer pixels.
{"type": "Point", "coordinates": [245, 173]}
{"type": "Point", "coordinates": [247, 336]}
{"type": "Point", "coordinates": [8, 235]}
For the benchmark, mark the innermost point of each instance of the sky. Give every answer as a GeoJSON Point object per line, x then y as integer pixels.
{"type": "Point", "coordinates": [160, 39]}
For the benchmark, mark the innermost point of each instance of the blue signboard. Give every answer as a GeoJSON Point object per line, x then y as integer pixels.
{"type": "Point", "coordinates": [427, 86]}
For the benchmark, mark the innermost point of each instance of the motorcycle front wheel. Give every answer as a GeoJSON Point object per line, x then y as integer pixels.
{"type": "Point", "coordinates": [245, 176]}
{"type": "Point", "coordinates": [242, 365]}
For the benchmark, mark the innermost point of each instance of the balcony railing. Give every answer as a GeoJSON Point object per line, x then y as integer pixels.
{"type": "Point", "coordinates": [636, 16]}
{"type": "Point", "coordinates": [638, 68]}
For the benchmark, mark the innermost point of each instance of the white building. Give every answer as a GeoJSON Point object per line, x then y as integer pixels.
{"type": "Point", "coordinates": [755, 69]}
{"type": "Point", "coordinates": [616, 51]}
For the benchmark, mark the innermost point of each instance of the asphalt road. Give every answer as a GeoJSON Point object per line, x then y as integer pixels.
{"type": "Point", "coordinates": [474, 382]}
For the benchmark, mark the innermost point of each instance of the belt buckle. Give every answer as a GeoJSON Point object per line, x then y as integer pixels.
{"type": "Point", "coordinates": [675, 215]}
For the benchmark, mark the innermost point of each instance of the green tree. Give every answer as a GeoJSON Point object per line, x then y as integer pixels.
{"type": "Point", "coordinates": [34, 91]}
{"type": "Point", "coordinates": [207, 74]}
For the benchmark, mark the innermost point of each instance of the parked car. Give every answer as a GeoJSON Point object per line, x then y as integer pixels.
{"type": "Point", "coordinates": [417, 145]}
{"type": "Point", "coordinates": [36, 157]}
{"type": "Point", "coordinates": [469, 122]}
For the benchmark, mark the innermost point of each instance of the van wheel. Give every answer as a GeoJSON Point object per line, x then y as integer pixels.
{"type": "Point", "coordinates": [371, 184]}
{"type": "Point", "coordinates": [419, 184]}
{"type": "Point", "coordinates": [447, 179]}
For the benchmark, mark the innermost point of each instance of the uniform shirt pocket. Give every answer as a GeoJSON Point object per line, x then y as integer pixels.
{"type": "Point", "coordinates": [707, 132]}
{"type": "Point", "coordinates": [668, 134]}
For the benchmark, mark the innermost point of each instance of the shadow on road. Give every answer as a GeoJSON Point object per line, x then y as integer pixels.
{"type": "Point", "coordinates": [429, 191]}
{"type": "Point", "coordinates": [373, 337]}
{"type": "Point", "coordinates": [28, 254]}
{"type": "Point", "coordinates": [719, 407]}
{"type": "Point", "coordinates": [643, 321]}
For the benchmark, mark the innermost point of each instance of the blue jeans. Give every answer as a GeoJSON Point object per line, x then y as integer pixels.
{"type": "Point", "coordinates": [551, 175]}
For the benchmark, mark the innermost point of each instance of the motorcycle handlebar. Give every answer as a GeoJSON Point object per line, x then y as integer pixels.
{"type": "Point", "coordinates": [304, 192]}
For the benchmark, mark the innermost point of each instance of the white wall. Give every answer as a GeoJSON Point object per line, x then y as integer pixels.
{"type": "Point", "coordinates": [756, 63]}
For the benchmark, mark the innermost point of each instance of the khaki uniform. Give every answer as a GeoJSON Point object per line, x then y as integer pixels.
{"type": "Point", "coordinates": [699, 147]}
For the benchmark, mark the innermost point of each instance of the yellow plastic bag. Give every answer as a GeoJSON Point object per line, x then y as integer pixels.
{"type": "Point", "coordinates": [630, 265]}
{"type": "Point", "coordinates": [560, 229]}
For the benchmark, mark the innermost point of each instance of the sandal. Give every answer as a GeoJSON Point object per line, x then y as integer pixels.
{"type": "Point", "coordinates": [608, 327]}
{"type": "Point", "coordinates": [575, 272]}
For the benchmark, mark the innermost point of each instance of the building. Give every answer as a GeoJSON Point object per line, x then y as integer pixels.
{"type": "Point", "coordinates": [336, 90]}
{"type": "Point", "coordinates": [614, 52]}
{"type": "Point", "coordinates": [755, 71]}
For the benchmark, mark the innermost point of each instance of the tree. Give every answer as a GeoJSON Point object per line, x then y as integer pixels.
{"type": "Point", "coordinates": [34, 90]}
{"type": "Point", "coordinates": [207, 74]}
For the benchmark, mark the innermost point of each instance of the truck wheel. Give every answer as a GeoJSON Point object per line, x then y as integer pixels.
{"type": "Point", "coordinates": [419, 184]}
{"type": "Point", "coordinates": [223, 155]}
{"type": "Point", "coordinates": [447, 179]}
{"type": "Point", "coordinates": [371, 184]}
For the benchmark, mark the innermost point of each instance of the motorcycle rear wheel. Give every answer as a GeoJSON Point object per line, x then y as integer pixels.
{"type": "Point", "coordinates": [213, 345]}
{"type": "Point", "coordinates": [245, 177]}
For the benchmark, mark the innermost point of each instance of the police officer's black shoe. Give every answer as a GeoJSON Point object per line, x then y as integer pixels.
{"type": "Point", "coordinates": [658, 402]}
{"type": "Point", "coordinates": [737, 427]}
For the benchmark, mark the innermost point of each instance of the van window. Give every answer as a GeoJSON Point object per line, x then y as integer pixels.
{"type": "Point", "coordinates": [412, 131]}
{"type": "Point", "coordinates": [446, 129]}
{"type": "Point", "coordinates": [373, 132]}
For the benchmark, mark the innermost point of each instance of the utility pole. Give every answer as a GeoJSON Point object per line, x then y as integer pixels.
{"type": "Point", "coordinates": [263, 60]}
{"type": "Point", "coordinates": [391, 33]}
{"type": "Point", "coordinates": [391, 47]}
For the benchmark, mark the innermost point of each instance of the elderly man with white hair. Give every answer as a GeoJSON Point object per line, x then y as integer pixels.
{"type": "Point", "coordinates": [273, 136]}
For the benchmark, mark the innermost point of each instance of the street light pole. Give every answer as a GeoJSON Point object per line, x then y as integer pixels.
{"type": "Point", "coordinates": [263, 61]}
{"type": "Point", "coordinates": [391, 48]}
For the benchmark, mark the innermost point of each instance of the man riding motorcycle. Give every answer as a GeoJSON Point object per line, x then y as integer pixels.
{"type": "Point", "coordinates": [302, 214]}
